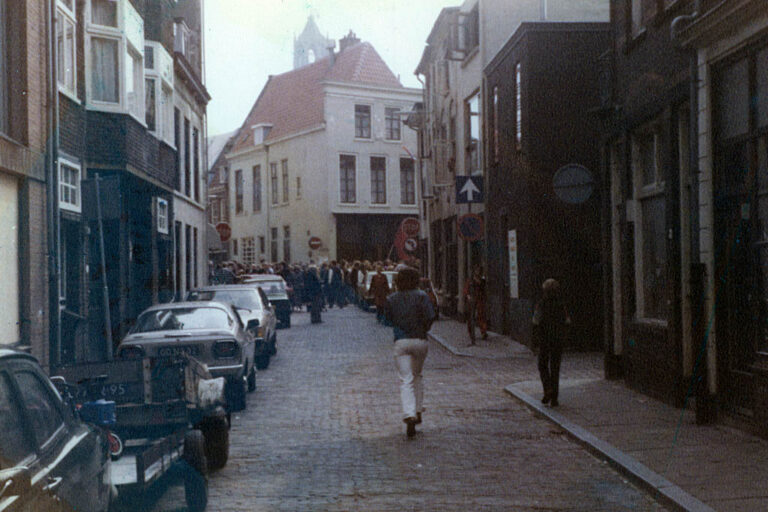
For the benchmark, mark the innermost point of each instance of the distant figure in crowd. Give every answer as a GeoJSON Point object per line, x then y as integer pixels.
{"type": "Point", "coordinates": [313, 291]}
{"type": "Point", "coordinates": [379, 289]}
{"type": "Point", "coordinates": [410, 312]}
{"type": "Point", "coordinates": [475, 296]}
{"type": "Point", "coordinates": [550, 329]}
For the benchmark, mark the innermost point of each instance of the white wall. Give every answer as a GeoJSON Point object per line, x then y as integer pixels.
{"type": "Point", "coordinates": [9, 259]}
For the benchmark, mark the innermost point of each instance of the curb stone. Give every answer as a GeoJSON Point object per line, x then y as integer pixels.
{"type": "Point", "coordinates": [659, 487]}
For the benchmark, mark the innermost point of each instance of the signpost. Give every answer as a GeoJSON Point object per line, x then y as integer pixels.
{"type": "Point", "coordinates": [469, 189]}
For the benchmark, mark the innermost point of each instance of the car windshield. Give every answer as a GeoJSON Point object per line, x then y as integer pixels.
{"type": "Point", "coordinates": [272, 287]}
{"type": "Point", "coordinates": [177, 319]}
{"type": "Point", "coordinates": [243, 299]}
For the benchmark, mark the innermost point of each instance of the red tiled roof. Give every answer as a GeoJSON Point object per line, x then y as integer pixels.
{"type": "Point", "coordinates": [293, 101]}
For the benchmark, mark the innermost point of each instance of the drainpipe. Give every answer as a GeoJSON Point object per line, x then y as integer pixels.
{"type": "Point", "coordinates": [53, 238]}
{"type": "Point", "coordinates": [704, 375]}
{"type": "Point", "coordinates": [268, 196]}
{"type": "Point", "coordinates": [426, 225]}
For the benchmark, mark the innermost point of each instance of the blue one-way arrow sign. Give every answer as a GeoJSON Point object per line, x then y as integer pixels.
{"type": "Point", "coordinates": [469, 189]}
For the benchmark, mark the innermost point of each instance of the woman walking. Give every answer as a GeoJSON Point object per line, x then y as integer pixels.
{"type": "Point", "coordinates": [411, 314]}
{"type": "Point", "coordinates": [550, 325]}
{"type": "Point", "coordinates": [380, 291]}
{"type": "Point", "coordinates": [314, 293]}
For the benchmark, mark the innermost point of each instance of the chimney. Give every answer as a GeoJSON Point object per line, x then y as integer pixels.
{"type": "Point", "coordinates": [347, 41]}
{"type": "Point", "coordinates": [331, 53]}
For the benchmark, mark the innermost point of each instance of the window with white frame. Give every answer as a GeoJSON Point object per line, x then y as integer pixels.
{"type": "Point", "coordinates": [284, 170]}
{"type": "Point", "coordinates": [649, 224]}
{"type": "Point", "coordinates": [134, 72]}
{"type": "Point", "coordinates": [347, 181]}
{"type": "Point", "coordinates": [273, 181]}
{"type": "Point", "coordinates": [104, 12]}
{"type": "Point", "coordinates": [66, 49]}
{"type": "Point", "coordinates": [158, 91]}
{"type": "Point", "coordinates": [392, 123]}
{"type": "Point", "coordinates": [407, 181]}
{"type": "Point", "coordinates": [162, 215]}
{"type": "Point", "coordinates": [474, 157]}
{"type": "Point", "coordinates": [363, 121]}
{"type": "Point", "coordinates": [69, 186]}
{"type": "Point", "coordinates": [166, 107]}
{"type": "Point", "coordinates": [150, 103]}
{"type": "Point", "coordinates": [378, 180]}
{"type": "Point", "coordinates": [249, 250]}
{"type": "Point", "coordinates": [105, 70]}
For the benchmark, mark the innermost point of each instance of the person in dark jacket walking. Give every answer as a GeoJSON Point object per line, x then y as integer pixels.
{"type": "Point", "coordinates": [475, 295]}
{"type": "Point", "coordinates": [411, 314]}
{"type": "Point", "coordinates": [550, 328]}
{"type": "Point", "coordinates": [313, 290]}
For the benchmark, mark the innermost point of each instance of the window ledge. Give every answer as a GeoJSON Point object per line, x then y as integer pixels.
{"type": "Point", "coordinates": [470, 56]}
{"type": "Point", "coordinates": [363, 139]}
{"type": "Point", "coordinates": [393, 141]}
{"type": "Point", "coordinates": [69, 94]}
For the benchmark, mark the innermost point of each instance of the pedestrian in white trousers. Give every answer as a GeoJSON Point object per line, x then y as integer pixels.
{"type": "Point", "coordinates": [411, 314]}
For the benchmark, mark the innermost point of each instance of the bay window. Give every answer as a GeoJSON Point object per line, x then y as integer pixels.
{"type": "Point", "coordinates": [65, 46]}
{"type": "Point", "coordinates": [105, 70]}
{"type": "Point", "coordinates": [104, 12]}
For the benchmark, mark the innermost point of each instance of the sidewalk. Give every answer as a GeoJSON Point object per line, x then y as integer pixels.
{"type": "Point", "coordinates": [684, 465]}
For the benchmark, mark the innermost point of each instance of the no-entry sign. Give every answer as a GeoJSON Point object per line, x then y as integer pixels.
{"type": "Point", "coordinates": [315, 243]}
{"type": "Point", "coordinates": [225, 232]}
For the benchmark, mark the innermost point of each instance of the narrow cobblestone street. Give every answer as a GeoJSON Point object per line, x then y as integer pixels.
{"type": "Point", "coordinates": [323, 433]}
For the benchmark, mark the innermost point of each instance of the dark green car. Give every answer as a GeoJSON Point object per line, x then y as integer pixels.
{"type": "Point", "coordinates": [276, 289]}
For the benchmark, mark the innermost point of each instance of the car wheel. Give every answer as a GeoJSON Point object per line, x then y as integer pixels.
{"type": "Point", "coordinates": [195, 472]}
{"type": "Point", "coordinates": [216, 432]}
{"type": "Point", "coordinates": [262, 361]}
{"type": "Point", "coordinates": [252, 380]}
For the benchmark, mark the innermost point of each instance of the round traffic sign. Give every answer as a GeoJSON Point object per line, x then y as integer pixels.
{"type": "Point", "coordinates": [411, 227]}
{"type": "Point", "coordinates": [315, 243]}
{"type": "Point", "coordinates": [411, 244]}
{"type": "Point", "coordinates": [471, 227]}
{"type": "Point", "coordinates": [573, 183]}
{"type": "Point", "coordinates": [225, 232]}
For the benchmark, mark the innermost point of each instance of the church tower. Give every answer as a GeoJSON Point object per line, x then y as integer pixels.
{"type": "Point", "coordinates": [311, 45]}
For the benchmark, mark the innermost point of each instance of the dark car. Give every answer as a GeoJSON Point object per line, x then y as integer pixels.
{"type": "Point", "coordinates": [252, 304]}
{"type": "Point", "coordinates": [49, 459]}
{"type": "Point", "coordinates": [211, 332]}
{"type": "Point", "coordinates": [277, 292]}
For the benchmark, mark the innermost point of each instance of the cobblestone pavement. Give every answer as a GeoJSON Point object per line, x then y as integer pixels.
{"type": "Point", "coordinates": [323, 432]}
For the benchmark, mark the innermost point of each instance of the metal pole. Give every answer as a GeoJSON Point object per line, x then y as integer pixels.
{"type": "Point", "coordinates": [105, 287]}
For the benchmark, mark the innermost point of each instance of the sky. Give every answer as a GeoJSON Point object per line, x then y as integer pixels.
{"type": "Point", "coordinates": [248, 40]}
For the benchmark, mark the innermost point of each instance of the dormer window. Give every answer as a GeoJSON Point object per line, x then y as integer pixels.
{"type": "Point", "coordinates": [260, 132]}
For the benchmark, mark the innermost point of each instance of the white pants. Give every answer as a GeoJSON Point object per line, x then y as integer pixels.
{"type": "Point", "coordinates": [409, 358]}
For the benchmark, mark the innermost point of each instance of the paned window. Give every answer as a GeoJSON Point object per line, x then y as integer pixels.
{"type": "Point", "coordinates": [287, 244]}
{"type": "Point", "coordinates": [472, 109]}
{"type": "Point", "coordinates": [65, 47]}
{"type": "Point", "coordinates": [104, 12]}
{"type": "Point", "coordinates": [133, 83]}
{"type": "Point", "coordinates": [238, 191]}
{"type": "Point", "coordinates": [650, 224]}
{"type": "Point", "coordinates": [392, 123]}
{"type": "Point", "coordinates": [273, 244]}
{"type": "Point", "coordinates": [470, 29]}
{"type": "Point", "coordinates": [196, 163]}
{"type": "Point", "coordinates": [284, 168]}
{"type": "Point", "coordinates": [69, 186]}
{"type": "Point", "coordinates": [249, 250]}
{"type": "Point", "coordinates": [298, 187]}
{"type": "Point", "coordinates": [378, 180]}
{"type": "Point", "coordinates": [187, 160]}
{"type": "Point", "coordinates": [257, 188]}
{"type": "Point", "coordinates": [273, 181]}
{"type": "Point", "coordinates": [105, 70]}
{"type": "Point", "coordinates": [347, 182]}
{"type": "Point", "coordinates": [407, 181]}
{"type": "Point", "coordinates": [234, 246]}
{"type": "Point", "coordinates": [150, 113]}
{"type": "Point", "coordinates": [162, 216]}
{"type": "Point", "coordinates": [166, 105]}
{"type": "Point", "coordinates": [262, 245]}
{"type": "Point", "coordinates": [363, 121]}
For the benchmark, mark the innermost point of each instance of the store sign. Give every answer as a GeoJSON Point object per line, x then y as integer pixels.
{"type": "Point", "coordinates": [514, 278]}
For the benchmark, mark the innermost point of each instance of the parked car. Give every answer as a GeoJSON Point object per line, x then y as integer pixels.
{"type": "Point", "coordinates": [277, 292]}
{"type": "Point", "coordinates": [49, 459]}
{"type": "Point", "coordinates": [252, 304]}
{"type": "Point", "coordinates": [211, 332]}
{"type": "Point", "coordinates": [365, 290]}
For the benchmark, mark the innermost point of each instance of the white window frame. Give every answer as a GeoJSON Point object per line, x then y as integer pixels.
{"type": "Point", "coordinates": [124, 46]}
{"type": "Point", "coordinates": [77, 208]}
{"type": "Point", "coordinates": [163, 90]}
{"type": "Point", "coordinates": [163, 220]}
{"type": "Point", "coordinates": [397, 111]}
{"type": "Point", "coordinates": [641, 192]}
{"type": "Point", "coordinates": [386, 179]}
{"type": "Point", "coordinates": [370, 121]}
{"type": "Point", "coordinates": [68, 17]}
{"type": "Point", "coordinates": [248, 245]}
{"type": "Point", "coordinates": [357, 181]}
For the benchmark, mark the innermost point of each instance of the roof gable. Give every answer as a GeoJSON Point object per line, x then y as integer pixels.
{"type": "Point", "coordinates": [293, 102]}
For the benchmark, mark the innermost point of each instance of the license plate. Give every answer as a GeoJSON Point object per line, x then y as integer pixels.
{"type": "Point", "coordinates": [189, 350]}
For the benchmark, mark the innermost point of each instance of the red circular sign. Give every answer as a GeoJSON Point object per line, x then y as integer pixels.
{"type": "Point", "coordinates": [225, 232]}
{"type": "Point", "coordinates": [315, 243]}
{"type": "Point", "coordinates": [411, 226]}
{"type": "Point", "coordinates": [471, 227]}
{"type": "Point", "coordinates": [411, 245]}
